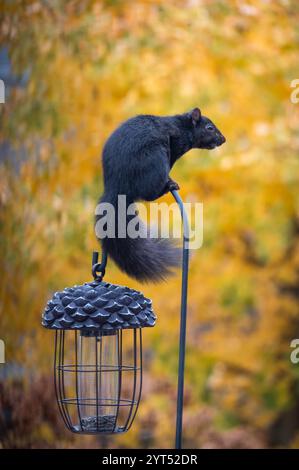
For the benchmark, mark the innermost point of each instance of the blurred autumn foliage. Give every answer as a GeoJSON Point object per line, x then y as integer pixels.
{"type": "Point", "coordinates": [88, 65]}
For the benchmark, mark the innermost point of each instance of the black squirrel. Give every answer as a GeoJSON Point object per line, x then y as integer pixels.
{"type": "Point", "coordinates": [137, 159]}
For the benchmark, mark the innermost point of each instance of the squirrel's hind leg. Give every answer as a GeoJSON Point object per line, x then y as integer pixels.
{"type": "Point", "coordinates": [152, 183]}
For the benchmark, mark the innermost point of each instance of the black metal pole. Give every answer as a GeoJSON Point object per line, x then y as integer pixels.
{"type": "Point", "coordinates": [183, 321]}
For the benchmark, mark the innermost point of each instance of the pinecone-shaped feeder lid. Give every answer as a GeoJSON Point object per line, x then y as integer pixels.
{"type": "Point", "coordinates": [98, 305]}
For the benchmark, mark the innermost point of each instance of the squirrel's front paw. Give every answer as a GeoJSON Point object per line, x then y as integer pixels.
{"type": "Point", "coordinates": [172, 185]}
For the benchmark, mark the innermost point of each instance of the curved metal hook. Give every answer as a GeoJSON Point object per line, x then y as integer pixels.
{"type": "Point", "coordinates": [99, 267]}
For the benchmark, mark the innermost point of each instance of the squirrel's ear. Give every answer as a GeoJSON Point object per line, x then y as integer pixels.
{"type": "Point", "coordinates": [196, 116]}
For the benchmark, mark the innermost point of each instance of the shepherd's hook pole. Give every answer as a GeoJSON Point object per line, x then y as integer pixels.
{"type": "Point", "coordinates": [183, 321]}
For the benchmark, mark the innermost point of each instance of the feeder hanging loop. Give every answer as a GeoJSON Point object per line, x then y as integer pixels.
{"type": "Point", "coordinates": [98, 269]}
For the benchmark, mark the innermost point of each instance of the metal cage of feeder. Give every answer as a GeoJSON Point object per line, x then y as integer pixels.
{"type": "Point", "coordinates": [98, 354]}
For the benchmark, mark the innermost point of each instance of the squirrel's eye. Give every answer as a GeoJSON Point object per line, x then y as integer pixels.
{"type": "Point", "coordinates": [209, 127]}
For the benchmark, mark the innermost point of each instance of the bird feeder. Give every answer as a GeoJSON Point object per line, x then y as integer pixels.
{"type": "Point", "coordinates": [98, 349]}
{"type": "Point", "coordinates": [98, 354]}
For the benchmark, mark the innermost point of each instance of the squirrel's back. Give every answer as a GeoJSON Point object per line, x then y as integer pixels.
{"type": "Point", "coordinates": [135, 133]}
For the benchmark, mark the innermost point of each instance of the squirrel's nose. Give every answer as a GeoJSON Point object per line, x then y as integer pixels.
{"type": "Point", "coordinates": [223, 139]}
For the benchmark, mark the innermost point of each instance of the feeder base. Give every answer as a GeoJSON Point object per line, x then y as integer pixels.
{"type": "Point", "coordinates": [104, 424]}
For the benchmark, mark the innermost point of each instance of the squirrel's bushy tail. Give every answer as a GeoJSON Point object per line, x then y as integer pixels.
{"type": "Point", "coordinates": [146, 259]}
